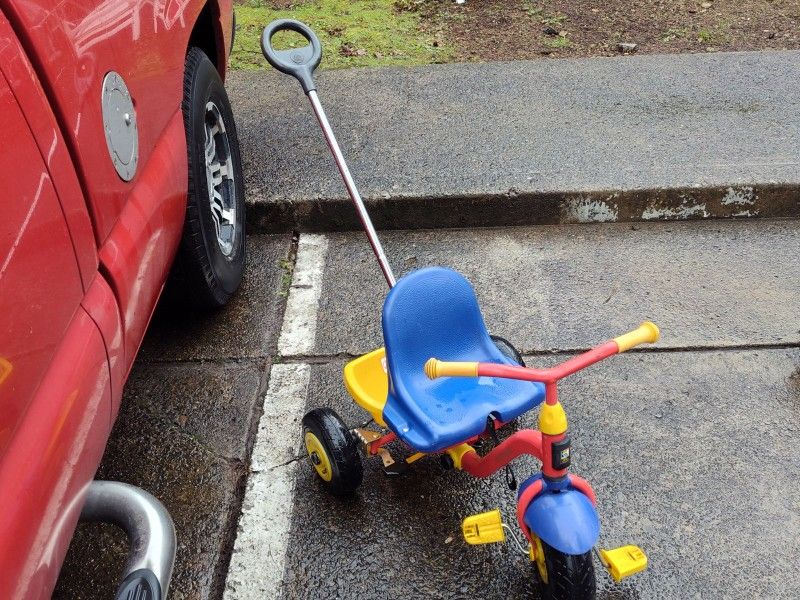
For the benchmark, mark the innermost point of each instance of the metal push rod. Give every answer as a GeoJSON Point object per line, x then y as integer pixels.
{"type": "Point", "coordinates": [352, 190]}
{"type": "Point", "coordinates": [300, 64]}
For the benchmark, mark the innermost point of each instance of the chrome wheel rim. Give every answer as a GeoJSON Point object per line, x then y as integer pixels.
{"type": "Point", "coordinates": [219, 179]}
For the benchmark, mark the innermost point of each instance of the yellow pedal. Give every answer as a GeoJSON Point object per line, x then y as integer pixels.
{"type": "Point", "coordinates": [485, 528]}
{"type": "Point", "coordinates": [624, 561]}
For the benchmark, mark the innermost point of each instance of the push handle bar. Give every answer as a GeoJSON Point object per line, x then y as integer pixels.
{"type": "Point", "coordinates": [646, 333]}
{"type": "Point", "coordinates": [300, 64]}
{"type": "Point", "coordinates": [297, 62]}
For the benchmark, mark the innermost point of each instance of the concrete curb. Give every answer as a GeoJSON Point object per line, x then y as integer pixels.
{"type": "Point", "coordinates": [512, 208]}
{"type": "Point", "coordinates": [639, 138]}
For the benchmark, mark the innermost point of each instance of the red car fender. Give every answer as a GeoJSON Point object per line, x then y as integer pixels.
{"type": "Point", "coordinates": [50, 460]}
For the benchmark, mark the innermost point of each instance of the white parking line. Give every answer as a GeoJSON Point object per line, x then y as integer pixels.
{"type": "Point", "coordinates": [259, 554]}
{"type": "Point", "coordinates": [256, 568]}
{"type": "Point", "coordinates": [299, 329]}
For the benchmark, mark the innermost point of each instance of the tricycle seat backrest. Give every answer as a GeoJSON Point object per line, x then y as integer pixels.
{"type": "Point", "coordinates": [433, 312]}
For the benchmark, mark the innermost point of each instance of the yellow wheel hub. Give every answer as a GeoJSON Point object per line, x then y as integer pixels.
{"type": "Point", "coordinates": [537, 556]}
{"type": "Point", "coordinates": [319, 458]}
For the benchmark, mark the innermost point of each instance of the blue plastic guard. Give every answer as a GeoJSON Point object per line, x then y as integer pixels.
{"type": "Point", "coordinates": [565, 520]}
{"type": "Point", "coordinates": [433, 312]}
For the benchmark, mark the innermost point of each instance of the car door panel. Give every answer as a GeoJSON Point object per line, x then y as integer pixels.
{"type": "Point", "coordinates": [40, 286]}
{"type": "Point", "coordinates": [55, 393]}
{"type": "Point", "coordinates": [83, 40]}
{"type": "Point", "coordinates": [33, 103]}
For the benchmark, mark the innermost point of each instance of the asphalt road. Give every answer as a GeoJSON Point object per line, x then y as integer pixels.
{"type": "Point", "coordinates": [185, 432]}
{"type": "Point", "coordinates": [688, 445]}
{"type": "Point", "coordinates": [527, 142]}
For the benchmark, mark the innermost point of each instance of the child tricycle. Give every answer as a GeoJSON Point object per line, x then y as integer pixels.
{"type": "Point", "coordinates": [441, 383]}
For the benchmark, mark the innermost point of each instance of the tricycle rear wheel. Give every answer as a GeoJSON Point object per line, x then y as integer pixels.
{"type": "Point", "coordinates": [508, 350]}
{"type": "Point", "coordinates": [333, 451]}
{"type": "Point", "coordinates": [565, 576]}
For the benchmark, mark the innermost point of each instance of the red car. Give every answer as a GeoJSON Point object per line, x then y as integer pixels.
{"type": "Point", "coordinates": [118, 158]}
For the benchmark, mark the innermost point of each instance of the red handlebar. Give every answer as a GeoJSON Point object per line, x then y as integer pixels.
{"type": "Point", "coordinates": [553, 374]}
{"type": "Point", "coordinates": [646, 333]}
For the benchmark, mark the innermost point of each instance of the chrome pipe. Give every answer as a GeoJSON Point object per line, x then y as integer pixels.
{"type": "Point", "coordinates": [341, 164]}
{"type": "Point", "coordinates": [150, 530]}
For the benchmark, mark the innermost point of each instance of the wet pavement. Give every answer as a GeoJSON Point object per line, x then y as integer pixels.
{"type": "Point", "coordinates": [527, 142]}
{"type": "Point", "coordinates": [185, 431]}
{"type": "Point", "coordinates": [683, 463]}
{"type": "Point", "coordinates": [689, 445]}
{"type": "Point", "coordinates": [686, 443]}
{"type": "Point", "coordinates": [712, 284]}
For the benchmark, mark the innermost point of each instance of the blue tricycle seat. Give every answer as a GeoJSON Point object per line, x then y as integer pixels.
{"type": "Point", "coordinates": [433, 312]}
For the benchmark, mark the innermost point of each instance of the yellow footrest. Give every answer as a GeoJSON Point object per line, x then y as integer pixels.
{"type": "Point", "coordinates": [484, 528]}
{"type": "Point", "coordinates": [624, 561]}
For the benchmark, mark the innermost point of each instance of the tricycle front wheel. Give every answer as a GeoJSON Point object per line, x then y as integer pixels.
{"type": "Point", "coordinates": [564, 576]}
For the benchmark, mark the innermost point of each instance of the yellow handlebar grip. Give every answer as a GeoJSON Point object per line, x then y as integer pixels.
{"type": "Point", "coordinates": [646, 333]}
{"type": "Point", "coordinates": [440, 368]}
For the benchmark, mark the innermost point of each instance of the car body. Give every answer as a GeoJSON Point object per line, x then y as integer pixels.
{"type": "Point", "coordinates": [84, 254]}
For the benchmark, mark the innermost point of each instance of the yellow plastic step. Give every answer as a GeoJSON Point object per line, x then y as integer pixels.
{"type": "Point", "coordinates": [484, 528]}
{"type": "Point", "coordinates": [624, 561]}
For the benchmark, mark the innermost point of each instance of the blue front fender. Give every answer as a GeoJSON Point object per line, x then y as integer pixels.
{"type": "Point", "coordinates": [565, 520]}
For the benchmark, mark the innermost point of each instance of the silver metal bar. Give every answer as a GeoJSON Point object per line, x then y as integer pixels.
{"type": "Point", "coordinates": [369, 229]}
{"type": "Point", "coordinates": [150, 529]}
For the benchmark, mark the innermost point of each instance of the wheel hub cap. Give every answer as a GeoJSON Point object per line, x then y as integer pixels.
{"type": "Point", "coordinates": [319, 458]}
{"type": "Point", "coordinates": [219, 179]}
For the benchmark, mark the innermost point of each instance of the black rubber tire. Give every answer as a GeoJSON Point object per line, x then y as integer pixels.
{"type": "Point", "coordinates": [508, 350]}
{"type": "Point", "coordinates": [341, 447]}
{"type": "Point", "coordinates": [202, 275]}
{"type": "Point", "coordinates": [569, 576]}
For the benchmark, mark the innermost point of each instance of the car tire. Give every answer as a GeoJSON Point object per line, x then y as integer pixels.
{"type": "Point", "coordinates": [210, 262]}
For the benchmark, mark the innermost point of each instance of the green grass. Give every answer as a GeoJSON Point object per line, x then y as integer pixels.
{"type": "Point", "coordinates": [560, 41]}
{"type": "Point", "coordinates": [554, 20]}
{"type": "Point", "coordinates": [705, 36]}
{"type": "Point", "coordinates": [287, 268]}
{"type": "Point", "coordinates": [714, 35]}
{"type": "Point", "coordinates": [532, 8]}
{"type": "Point", "coordinates": [354, 33]}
